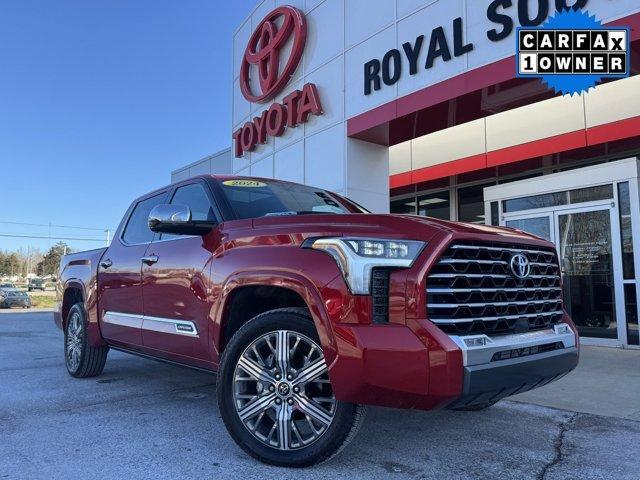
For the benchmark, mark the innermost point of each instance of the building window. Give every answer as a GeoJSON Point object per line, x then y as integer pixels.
{"type": "Point", "coordinates": [495, 214]}
{"type": "Point", "coordinates": [471, 203]}
{"type": "Point", "coordinates": [628, 267]}
{"type": "Point", "coordinates": [406, 206]}
{"type": "Point", "coordinates": [546, 200]}
{"type": "Point", "coordinates": [631, 307]}
{"type": "Point", "coordinates": [435, 205]}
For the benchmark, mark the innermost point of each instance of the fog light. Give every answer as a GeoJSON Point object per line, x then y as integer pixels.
{"type": "Point", "coordinates": [476, 341]}
{"type": "Point", "coordinates": [562, 329]}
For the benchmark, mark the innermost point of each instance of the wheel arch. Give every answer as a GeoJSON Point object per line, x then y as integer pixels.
{"type": "Point", "coordinates": [73, 293]}
{"type": "Point", "coordinates": [247, 295]}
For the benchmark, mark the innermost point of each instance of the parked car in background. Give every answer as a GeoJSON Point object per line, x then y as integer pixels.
{"type": "Point", "coordinates": [36, 284]}
{"type": "Point", "coordinates": [10, 296]}
{"type": "Point", "coordinates": [309, 307]}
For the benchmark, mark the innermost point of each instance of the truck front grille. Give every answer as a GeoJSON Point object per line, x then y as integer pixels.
{"type": "Point", "coordinates": [473, 289]}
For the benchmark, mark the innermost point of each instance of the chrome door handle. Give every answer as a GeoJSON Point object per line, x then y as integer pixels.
{"type": "Point", "coordinates": [106, 263]}
{"type": "Point", "coordinates": [150, 260]}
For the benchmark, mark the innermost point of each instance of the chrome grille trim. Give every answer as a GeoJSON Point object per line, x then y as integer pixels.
{"type": "Point", "coordinates": [471, 290]}
{"type": "Point", "coordinates": [516, 250]}
{"type": "Point", "coordinates": [454, 290]}
{"type": "Point", "coordinates": [480, 275]}
{"type": "Point", "coordinates": [502, 304]}
{"type": "Point", "coordinates": [486, 319]}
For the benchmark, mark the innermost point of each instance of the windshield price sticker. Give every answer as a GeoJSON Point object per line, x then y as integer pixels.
{"type": "Point", "coordinates": [243, 183]}
{"type": "Point", "coordinates": [572, 52]}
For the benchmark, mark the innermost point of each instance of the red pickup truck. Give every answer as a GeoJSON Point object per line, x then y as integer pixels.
{"type": "Point", "coordinates": [309, 307]}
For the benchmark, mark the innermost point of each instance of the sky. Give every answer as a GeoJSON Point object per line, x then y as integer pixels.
{"type": "Point", "coordinates": [100, 100]}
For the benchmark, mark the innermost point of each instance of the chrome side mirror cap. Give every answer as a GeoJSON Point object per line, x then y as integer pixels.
{"type": "Point", "coordinates": [176, 219]}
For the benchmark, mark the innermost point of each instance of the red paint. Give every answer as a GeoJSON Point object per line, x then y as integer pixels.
{"type": "Point", "coordinates": [120, 290]}
{"type": "Point", "coordinates": [360, 126]}
{"type": "Point", "coordinates": [545, 146]}
{"type": "Point", "coordinates": [408, 363]}
{"type": "Point", "coordinates": [447, 169]}
{"type": "Point", "coordinates": [441, 170]}
{"type": "Point", "coordinates": [597, 135]}
{"type": "Point", "coordinates": [400, 180]}
{"type": "Point", "coordinates": [629, 127]}
{"type": "Point", "coordinates": [264, 50]}
{"type": "Point", "coordinates": [176, 287]}
{"type": "Point", "coordinates": [80, 278]}
{"type": "Point", "coordinates": [454, 87]}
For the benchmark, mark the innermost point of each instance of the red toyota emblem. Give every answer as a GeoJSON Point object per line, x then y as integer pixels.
{"type": "Point", "coordinates": [263, 52]}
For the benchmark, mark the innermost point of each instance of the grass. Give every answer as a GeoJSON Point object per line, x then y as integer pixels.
{"type": "Point", "coordinates": [43, 301]}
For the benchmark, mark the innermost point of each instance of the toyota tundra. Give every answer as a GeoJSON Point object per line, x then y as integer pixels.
{"type": "Point", "coordinates": [308, 307]}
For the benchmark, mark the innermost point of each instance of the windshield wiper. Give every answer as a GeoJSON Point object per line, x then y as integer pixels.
{"type": "Point", "coordinates": [300, 212]}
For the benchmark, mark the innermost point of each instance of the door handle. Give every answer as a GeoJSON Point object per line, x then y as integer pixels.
{"type": "Point", "coordinates": [150, 260]}
{"type": "Point", "coordinates": [106, 263]}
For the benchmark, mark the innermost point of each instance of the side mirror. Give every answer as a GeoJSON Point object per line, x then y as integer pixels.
{"type": "Point", "coordinates": [176, 219]}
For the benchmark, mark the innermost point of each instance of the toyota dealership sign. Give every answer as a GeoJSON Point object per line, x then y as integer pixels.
{"type": "Point", "coordinates": [265, 72]}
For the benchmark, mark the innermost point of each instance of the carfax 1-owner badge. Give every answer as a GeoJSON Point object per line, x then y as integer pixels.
{"type": "Point", "coordinates": [572, 52]}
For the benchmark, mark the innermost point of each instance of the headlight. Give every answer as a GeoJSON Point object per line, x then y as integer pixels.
{"type": "Point", "coordinates": [356, 257]}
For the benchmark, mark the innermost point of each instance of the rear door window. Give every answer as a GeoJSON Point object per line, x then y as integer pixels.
{"type": "Point", "coordinates": [137, 229]}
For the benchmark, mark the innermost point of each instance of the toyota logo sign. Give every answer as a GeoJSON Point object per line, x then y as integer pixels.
{"type": "Point", "coordinates": [520, 266]}
{"type": "Point", "coordinates": [263, 51]}
{"type": "Point", "coordinates": [282, 30]}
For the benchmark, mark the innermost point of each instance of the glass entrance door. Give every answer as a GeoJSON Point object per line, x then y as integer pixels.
{"type": "Point", "coordinates": [585, 248]}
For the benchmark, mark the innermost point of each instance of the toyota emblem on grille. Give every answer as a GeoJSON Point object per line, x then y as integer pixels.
{"type": "Point", "coordinates": [520, 266]}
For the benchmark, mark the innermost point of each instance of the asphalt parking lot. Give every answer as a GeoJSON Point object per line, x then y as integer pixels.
{"type": "Point", "coordinates": [144, 419]}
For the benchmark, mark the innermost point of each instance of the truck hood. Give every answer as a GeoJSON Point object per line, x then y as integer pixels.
{"type": "Point", "coordinates": [410, 227]}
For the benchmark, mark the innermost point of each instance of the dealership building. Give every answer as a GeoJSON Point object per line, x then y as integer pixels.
{"type": "Point", "coordinates": [414, 107]}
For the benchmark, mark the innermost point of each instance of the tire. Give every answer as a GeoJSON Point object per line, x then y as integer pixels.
{"type": "Point", "coordinates": [82, 360]}
{"type": "Point", "coordinates": [331, 425]}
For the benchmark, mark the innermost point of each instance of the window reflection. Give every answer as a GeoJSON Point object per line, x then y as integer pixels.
{"type": "Point", "coordinates": [406, 206]}
{"type": "Point", "coordinates": [628, 267]}
{"type": "Point", "coordinates": [631, 307]}
{"type": "Point", "coordinates": [545, 200]}
{"type": "Point", "coordinates": [587, 265]}
{"type": "Point", "coordinates": [471, 203]}
{"type": "Point", "coordinates": [436, 205]}
{"type": "Point", "coordinates": [539, 226]}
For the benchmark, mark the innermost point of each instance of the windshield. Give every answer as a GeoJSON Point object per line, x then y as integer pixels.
{"type": "Point", "coordinates": [251, 198]}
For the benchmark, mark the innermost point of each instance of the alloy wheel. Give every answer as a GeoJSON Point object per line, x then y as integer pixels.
{"type": "Point", "coordinates": [282, 392]}
{"type": "Point", "coordinates": [73, 347]}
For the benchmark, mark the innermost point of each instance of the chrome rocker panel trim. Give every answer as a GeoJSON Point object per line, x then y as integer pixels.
{"type": "Point", "coordinates": [154, 324]}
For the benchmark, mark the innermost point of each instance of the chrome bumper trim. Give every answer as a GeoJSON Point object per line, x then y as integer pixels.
{"type": "Point", "coordinates": [486, 346]}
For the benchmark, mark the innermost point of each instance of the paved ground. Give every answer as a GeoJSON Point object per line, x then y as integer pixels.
{"type": "Point", "coordinates": [144, 419]}
{"type": "Point", "coordinates": [606, 382]}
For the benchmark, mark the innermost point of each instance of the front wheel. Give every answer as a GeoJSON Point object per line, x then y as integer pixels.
{"type": "Point", "coordinates": [275, 396]}
{"type": "Point", "coordinates": [82, 360]}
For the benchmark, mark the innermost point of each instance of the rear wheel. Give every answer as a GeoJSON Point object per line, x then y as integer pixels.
{"type": "Point", "coordinates": [275, 396]}
{"type": "Point", "coordinates": [82, 360]}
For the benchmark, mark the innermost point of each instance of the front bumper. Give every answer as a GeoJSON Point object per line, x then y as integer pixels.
{"type": "Point", "coordinates": [488, 383]}
{"type": "Point", "coordinates": [495, 368]}
{"type": "Point", "coordinates": [424, 368]}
